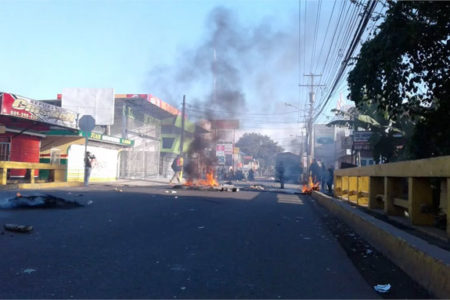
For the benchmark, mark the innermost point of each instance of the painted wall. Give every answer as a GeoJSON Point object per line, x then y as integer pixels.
{"type": "Point", "coordinates": [105, 167]}
{"type": "Point", "coordinates": [24, 148]}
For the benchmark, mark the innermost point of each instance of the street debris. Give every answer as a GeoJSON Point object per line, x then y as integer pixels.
{"type": "Point", "coordinates": [29, 271]}
{"type": "Point", "coordinates": [206, 187]}
{"type": "Point", "coordinates": [382, 288]}
{"type": "Point", "coordinates": [368, 251]}
{"type": "Point", "coordinates": [118, 190]}
{"type": "Point", "coordinates": [18, 228]}
{"type": "Point", "coordinates": [176, 197]}
{"type": "Point", "coordinates": [257, 187]}
{"type": "Point", "coordinates": [183, 288]}
{"type": "Point", "coordinates": [37, 201]}
{"type": "Point", "coordinates": [90, 202]}
{"type": "Point", "coordinates": [201, 227]}
{"type": "Point", "coordinates": [173, 192]}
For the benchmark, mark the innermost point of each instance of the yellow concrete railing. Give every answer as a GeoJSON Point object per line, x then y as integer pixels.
{"type": "Point", "coordinates": [399, 187]}
{"type": "Point", "coordinates": [57, 172]}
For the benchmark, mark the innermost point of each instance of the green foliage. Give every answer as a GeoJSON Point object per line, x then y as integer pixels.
{"type": "Point", "coordinates": [404, 71]}
{"type": "Point", "coordinates": [387, 138]}
{"type": "Point", "coordinates": [261, 147]}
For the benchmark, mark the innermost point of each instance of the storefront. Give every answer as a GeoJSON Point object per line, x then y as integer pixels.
{"type": "Point", "coordinates": [64, 148]}
{"type": "Point", "coordinates": [24, 123]}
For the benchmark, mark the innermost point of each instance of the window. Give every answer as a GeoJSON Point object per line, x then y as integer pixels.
{"type": "Point", "coordinates": [167, 143]}
{"type": "Point", "coordinates": [4, 151]}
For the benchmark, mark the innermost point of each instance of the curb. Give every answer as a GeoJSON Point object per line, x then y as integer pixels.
{"type": "Point", "coordinates": [47, 185]}
{"type": "Point", "coordinates": [427, 264]}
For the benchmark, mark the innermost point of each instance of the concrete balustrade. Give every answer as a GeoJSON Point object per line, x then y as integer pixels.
{"type": "Point", "coordinates": [401, 188]}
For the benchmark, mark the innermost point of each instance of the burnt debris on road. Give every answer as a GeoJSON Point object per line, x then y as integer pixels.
{"type": "Point", "coordinates": [37, 201]}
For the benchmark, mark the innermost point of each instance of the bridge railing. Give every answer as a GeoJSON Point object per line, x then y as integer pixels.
{"type": "Point", "coordinates": [408, 188]}
{"type": "Point", "coordinates": [57, 172]}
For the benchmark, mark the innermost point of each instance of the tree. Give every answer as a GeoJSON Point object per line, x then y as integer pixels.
{"type": "Point", "coordinates": [404, 69]}
{"type": "Point", "coordinates": [261, 147]}
{"type": "Point", "coordinates": [388, 138]}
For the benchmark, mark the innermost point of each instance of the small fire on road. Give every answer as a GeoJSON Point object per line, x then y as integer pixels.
{"type": "Point", "coordinates": [311, 186]}
{"type": "Point", "coordinates": [209, 181]}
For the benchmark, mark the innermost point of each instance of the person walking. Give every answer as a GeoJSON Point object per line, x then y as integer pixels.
{"type": "Point", "coordinates": [324, 176]}
{"type": "Point", "coordinates": [314, 171]}
{"type": "Point", "coordinates": [330, 179]}
{"type": "Point", "coordinates": [88, 164]}
{"type": "Point", "coordinates": [177, 167]}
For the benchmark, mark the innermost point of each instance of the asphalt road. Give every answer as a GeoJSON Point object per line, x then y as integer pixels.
{"type": "Point", "coordinates": [147, 243]}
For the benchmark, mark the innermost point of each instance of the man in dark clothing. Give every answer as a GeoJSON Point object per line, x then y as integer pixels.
{"type": "Point", "coordinates": [314, 171]}
{"type": "Point", "coordinates": [330, 179]}
{"type": "Point", "coordinates": [324, 177]}
{"type": "Point", "coordinates": [88, 162]}
{"type": "Point", "coordinates": [280, 173]}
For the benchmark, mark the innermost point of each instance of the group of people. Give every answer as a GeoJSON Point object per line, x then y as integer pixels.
{"type": "Point", "coordinates": [320, 173]}
{"type": "Point", "coordinates": [239, 174]}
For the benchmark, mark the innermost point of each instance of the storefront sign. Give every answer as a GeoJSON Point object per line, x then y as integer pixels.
{"type": "Point", "coordinates": [362, 136]}
{"type": "Point", "coordinates": [20, 107]}
{"type": "Point", "coordinates": [224, 148]}
{"type": "Point", "coordinates": [107, 138]}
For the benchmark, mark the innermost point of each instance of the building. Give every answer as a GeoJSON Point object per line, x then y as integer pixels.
{"type": "Point", "coordinates": [138, 118]}
{"type": "Point", "coordinates": [25, 124]}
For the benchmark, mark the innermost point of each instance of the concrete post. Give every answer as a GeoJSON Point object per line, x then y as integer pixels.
{"type": "Point", "coordinates": [392, 189]}
{"type": "Point", "coordinates": [420, 194]}
{"type": "Point", "coordinates": [376, 187]}
{"type": "Point", "coordinates": [353, 189]}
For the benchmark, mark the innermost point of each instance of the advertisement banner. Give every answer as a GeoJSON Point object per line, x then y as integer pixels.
{"type": "Point", "coordinates": [20, 107]}
{"type": "Point", "coordinates": [361, 140]}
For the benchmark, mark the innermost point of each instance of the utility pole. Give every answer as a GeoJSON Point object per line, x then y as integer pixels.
{"type": "Point", "coordinates": [309, 131]}
{"type": "Point", "coordinates": [182, 125]}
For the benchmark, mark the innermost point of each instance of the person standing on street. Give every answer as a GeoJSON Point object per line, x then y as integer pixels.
{"type": "Point", "coordinates": [88, 163]}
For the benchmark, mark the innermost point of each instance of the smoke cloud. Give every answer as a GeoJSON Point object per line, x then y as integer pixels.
{"type": "Point", "coordinates": [233, 63]}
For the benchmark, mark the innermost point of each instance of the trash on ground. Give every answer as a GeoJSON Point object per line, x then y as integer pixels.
{"type": "Point", "coordinates": [201, 227]}
{"type": "Point", "coordinates": [166, 192]}
{"type": "Point", "coordinates": [90, 202]}
{"type": "Point", "coordinates": [257, 187]}
{"type": "Point", "coordinates": [176, 197]}
{"type": "Point", "coordinates": [368, 251]}
{"type": "Point", "coordinates": [382, 288]}
{"type": "Point", "coordinates": [173, 192]}
{"type": "Point", "coordinates": [183, 288]}
{"type": "Point", "coordinates": [29, 271]}
{"type": "Point", "coordinates": [18, 228]}
{"type": "Point", "coordinates": [37, 201]}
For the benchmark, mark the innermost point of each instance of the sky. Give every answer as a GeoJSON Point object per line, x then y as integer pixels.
{"type": "Point", "coordinates": [234, 59]}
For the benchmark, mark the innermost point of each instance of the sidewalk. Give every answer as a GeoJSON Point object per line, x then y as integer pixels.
{"type": "Point", "coordinates": [157, 181]}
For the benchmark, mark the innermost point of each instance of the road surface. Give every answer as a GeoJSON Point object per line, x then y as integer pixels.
{"type": "Point", "coordinates": [150, 243]}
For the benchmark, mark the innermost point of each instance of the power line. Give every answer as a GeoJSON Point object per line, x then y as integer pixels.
{"type": "Point", "coordinates": [361, 27]}
{"type": "Point", "coordinates": [326, 31]}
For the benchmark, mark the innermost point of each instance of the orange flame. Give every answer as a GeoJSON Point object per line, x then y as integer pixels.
{"type": "Point", "coordinates": [209, 181]}
{"type": "Point", "coordinates": [307, 189]}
